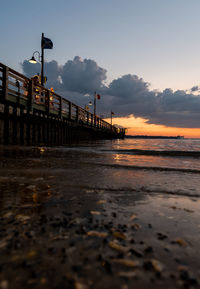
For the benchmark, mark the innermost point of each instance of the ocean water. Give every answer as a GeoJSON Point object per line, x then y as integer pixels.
{"type": "Point", "coordinates": [168, 166]}
{"type": "Point", "coordinates": [130, 166]}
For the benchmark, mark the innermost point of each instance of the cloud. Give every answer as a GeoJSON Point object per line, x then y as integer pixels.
{"type": "Point", "coordinates": [131, 94]}
{"type": "Point", "coordinates": [83, 76]}
{"type": "Point", "coordinates": [78, 79]}
{"type": "Point", "coordinates": [177, 109]}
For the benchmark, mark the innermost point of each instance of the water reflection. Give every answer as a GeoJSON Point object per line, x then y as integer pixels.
{"type": "Point", "coordinates": [117, 157]}
{"type": "Point", "coordinates": [42, 150]}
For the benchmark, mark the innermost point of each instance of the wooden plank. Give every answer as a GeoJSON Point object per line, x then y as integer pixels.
{"type": "Point", "coordinates": [52, 111]}
{"type": "Point", "coordinates": [11, 98]}
{"type": "Point", "coordinates": [16, 74]}
{"type": "Point", "coordinates": [15, 93]}
{"type": "Point", "coordinates": [12, 91]}
{"type": "Point", "coordinates": [39, 106]}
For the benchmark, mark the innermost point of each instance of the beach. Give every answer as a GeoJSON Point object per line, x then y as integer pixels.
{"type": "Point", "coordinates": [100, 215]}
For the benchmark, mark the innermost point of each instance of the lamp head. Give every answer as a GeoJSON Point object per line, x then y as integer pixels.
{"type": "Point", "coordinates": [32, 60]}
{"type": "Point", "coordinates": [90, 103]}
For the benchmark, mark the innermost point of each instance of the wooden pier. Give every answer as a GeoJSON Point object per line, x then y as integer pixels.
{"type": "Point", "coordinates": [31, 114]}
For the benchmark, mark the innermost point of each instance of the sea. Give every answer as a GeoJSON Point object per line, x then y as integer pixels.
{"type": "Point", "coordinates": [170, 166]}
{"type": "Point", "coordinates": [153, 166]}
{"type": "Point", "coordinates": [166, 165]}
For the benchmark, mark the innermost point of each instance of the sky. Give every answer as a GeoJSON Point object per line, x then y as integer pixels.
{"type": "Point", "coordinates": [142, 56]}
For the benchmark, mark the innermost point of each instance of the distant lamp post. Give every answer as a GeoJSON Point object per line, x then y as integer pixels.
{"type": "Point", "coordinates": [111, 116]}
{"type": "Point", "coordinates": [96, 96]}
{"type": "Point", "coordinates": [46, 43]}
{"type": "Point", "coordinates": [87, 106]}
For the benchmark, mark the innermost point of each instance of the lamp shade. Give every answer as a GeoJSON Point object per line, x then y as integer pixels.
{"type": "Point", "coordinates": [32, 60]}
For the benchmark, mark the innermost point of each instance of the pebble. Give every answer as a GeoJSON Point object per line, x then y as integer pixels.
{"type": "Point", "coordinates": [161, 236]}
{"type": "Point", "coordinates": [31, 187]}
{"type": "Point", "coordinates": [107, 266]}
{"type": "Point", "coordinates": [136, 253]}
{"type": "Point", "coordinates": [4, 284]}
{"type": "Point", "coordinates": [148, 249]}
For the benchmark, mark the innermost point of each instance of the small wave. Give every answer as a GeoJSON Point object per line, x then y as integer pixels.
{"type": "Point", "coordinates": [165, 169]}
{"type": "Point", "coordinates": [194, 154]}
{"type": "Point", "coordinates": [147, 190]}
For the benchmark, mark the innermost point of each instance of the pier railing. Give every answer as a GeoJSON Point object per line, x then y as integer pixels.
{"type": "Point", "coordinates": [22, 92]}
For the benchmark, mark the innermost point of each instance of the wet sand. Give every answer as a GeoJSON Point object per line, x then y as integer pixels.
{"type": "Point", "coordinates": [69, 223]}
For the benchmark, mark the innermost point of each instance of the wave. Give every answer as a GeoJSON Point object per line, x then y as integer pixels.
{"type": "Point", "coordinates": [194, 154]}
{"type": "Point", "coordinates": [165, 169]}
{"type": "Point", "coordinates": [144, 189]}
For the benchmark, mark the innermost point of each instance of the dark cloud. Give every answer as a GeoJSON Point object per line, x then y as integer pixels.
{"type": "Point", "coordinates": [128, 87]}
{"type": "Point", "coordinates": [132, 95]}
{"type": "Point", "coordinates": [126, 95]}
{"type": "Point", "coordinates": [178, 109]}
{"type": "Point", "coordinates": [83, 76]}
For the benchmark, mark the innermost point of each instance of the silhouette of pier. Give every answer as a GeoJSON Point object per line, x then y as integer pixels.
{"type": "Point", "coordinates": [31, 114]}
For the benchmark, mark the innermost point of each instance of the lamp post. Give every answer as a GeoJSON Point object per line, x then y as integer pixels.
{"type": "Point", "coordinates": [46, 43]}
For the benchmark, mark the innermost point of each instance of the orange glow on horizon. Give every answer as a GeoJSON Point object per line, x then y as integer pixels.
{"type": "Point", "coordinates": [139, 126]}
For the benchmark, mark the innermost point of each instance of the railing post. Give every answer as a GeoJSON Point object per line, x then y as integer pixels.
{"type": "Point", "coordinates": [60, 107]}
{"type": "Point", "coordinates": [30, 96]}
{"type": "Point", "coordinates": [18, 92]}
{"type": "Point", "coordinates": [70, 110]}
{"type": "Point", "coordinates": [5, 82]}
{"type": "Point", "coordinates": [47, 101]}
{"type": "Point", "coordinates": [77, 113]}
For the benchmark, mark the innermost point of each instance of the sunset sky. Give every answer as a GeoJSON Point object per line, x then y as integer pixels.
{"type": "Point", "coordinates": [142, 56]}
{"type": "Point", "coordinates": [138, 126]}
